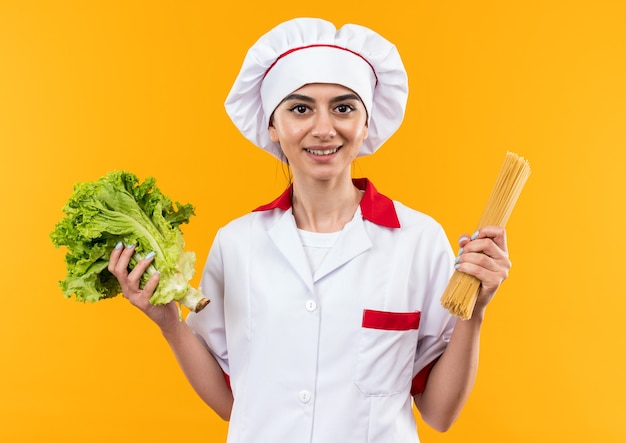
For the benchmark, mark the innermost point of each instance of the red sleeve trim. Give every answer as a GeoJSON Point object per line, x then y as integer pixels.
{"type": "Point", "coordinates": [419, 381]}
{"type": "Point", "coordinates": [227, 378]}
{"type": "Point", "coordinates": [391, 321]}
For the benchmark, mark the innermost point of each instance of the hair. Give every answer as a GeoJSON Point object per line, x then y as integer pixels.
{"type": "Point", "coordinates": [284, 164]}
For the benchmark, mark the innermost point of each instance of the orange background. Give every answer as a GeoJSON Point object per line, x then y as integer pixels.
{"type": "Point", "coordinates": [88, 87]}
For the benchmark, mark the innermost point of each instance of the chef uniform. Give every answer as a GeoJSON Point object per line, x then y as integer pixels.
{"type": "Point", "coordinates": [325, 337]}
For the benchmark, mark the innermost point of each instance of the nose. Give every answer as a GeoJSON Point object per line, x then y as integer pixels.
{"type": "Point", "coordinates": [323, 126]}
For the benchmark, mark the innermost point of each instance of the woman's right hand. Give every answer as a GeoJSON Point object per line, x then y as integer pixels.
{"type": "Point", "coordinates": [165, 316]}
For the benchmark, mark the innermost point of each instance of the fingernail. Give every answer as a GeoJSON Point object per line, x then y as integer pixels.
{"type": "Point", "coordinates": [118, 246]}
{"type": "Point", "coordinates": [460, 252]}
{"type": "Point", "coordinates": [457, 260]}
{"type": "Point", "coordinates": [457, 266]}
{"type": "Point", "coordinates": [463, 238]}
{"type": "Point", "coordinates": [474, 235]}
{"type": "Point", "coordinates": [149, 256]}
{"type": "Point", "coordinates": [130, 246]}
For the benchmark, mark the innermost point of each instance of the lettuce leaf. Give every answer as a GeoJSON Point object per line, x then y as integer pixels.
{"type": "Point", "coordinates": [117, 208]}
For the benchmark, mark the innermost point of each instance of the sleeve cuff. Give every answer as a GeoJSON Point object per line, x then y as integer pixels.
{"type": "Point", "coordinates": [419, 381]}
{"type": "Point", "coordinates": [227, 378]}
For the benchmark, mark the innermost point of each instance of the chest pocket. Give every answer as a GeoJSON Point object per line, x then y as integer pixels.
{"type": "Point", "coordinates": [387, 346]}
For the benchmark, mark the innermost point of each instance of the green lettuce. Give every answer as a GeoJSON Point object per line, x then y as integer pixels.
{"type": "Point", "coordinates": [117, 208]}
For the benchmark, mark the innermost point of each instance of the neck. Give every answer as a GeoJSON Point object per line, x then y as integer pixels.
{"type": "Point", "coordinates": [324, 206]}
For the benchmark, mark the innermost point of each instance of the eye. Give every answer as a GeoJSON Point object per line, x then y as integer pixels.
{"type": "Point", "coordinates": [299, 109]}
{"type": "Point", "coordinates": [344, 108]}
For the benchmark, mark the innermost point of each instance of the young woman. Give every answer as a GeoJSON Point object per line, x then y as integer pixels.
{"type": "Point", "coordinates": [325, 323]}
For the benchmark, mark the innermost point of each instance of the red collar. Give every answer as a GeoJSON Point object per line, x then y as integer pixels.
{"type": "Point", "coordinates": [375, 207]}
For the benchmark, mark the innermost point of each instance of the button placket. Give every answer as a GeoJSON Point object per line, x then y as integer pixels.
{"type": "Point", "coordinates": [305, 396]}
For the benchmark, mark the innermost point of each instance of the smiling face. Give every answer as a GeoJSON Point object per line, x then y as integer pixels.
{"type": "Point", "coordinates": [320, 128]}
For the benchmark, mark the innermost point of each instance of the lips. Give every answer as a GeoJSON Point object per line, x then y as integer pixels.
{"type": "Point", "coordinates": [322, 152]}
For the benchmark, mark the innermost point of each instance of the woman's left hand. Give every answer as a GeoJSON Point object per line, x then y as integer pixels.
{"type": "Point", "coordinates": [485, 256]}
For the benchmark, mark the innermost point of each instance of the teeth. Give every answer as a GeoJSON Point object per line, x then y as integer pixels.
{"type": "Point", "coordinates": [319, 152]}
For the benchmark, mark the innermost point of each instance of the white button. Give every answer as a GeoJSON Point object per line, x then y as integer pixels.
{"type": "Point", "coordinates": [311, 305]}
{"type": "Point", "coordinates": [304, 396]}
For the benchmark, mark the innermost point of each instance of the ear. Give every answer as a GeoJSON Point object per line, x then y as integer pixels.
{"type": "Point", "coordinates": [272, 130]}
{"type": "Point", "coordinates": [273, 133]}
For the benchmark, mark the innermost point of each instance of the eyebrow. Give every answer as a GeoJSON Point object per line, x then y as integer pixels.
{"type": "Point", "coordinates": [306, 98]}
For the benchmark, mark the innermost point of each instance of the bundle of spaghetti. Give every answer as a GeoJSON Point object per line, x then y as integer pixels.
{"type": "Point", "coordinates": [462, 291]}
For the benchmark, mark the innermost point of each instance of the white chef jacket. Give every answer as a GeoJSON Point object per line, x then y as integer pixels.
{"type": "Point", "coordinates": [334, 355]}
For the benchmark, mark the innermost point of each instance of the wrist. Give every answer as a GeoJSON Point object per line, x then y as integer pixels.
{"type": "Point", "coordinates": [478, 316]}
{"type": "Point", "coordinates": [172, 329]}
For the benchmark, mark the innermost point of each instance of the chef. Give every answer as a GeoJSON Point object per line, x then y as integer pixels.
{"type": "Point", "coordinates": [325, 323]}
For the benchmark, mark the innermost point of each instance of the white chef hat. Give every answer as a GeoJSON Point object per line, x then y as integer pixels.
{"type": "Point", "coordinates": [310, 50]}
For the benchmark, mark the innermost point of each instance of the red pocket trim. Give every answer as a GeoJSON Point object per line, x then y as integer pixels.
{"type": "Point", "coordinates": [391, 321]}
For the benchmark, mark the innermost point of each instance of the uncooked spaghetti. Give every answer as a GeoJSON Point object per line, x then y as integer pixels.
{"type": "Point", "coordinates": [462, 291]}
